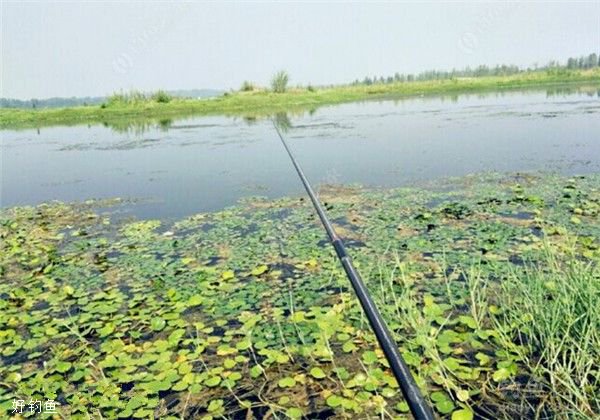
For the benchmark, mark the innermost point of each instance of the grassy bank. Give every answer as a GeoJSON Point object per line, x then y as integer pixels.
{"type": "Point", "coordinates": [489, 283]}
{"type": "Point", "coordinates": [265, 103]}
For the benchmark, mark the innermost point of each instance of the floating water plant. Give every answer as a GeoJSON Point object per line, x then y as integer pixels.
{"type": "Point", "coordinates": [494, 311]}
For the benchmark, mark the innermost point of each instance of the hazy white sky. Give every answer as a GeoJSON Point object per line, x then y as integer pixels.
{"type": "Point", "coordinates": [95, 48]}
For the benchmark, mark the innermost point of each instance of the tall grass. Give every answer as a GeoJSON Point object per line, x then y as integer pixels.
{"type": "Point", "coordinates": [280, 81]}
{"type": "Point", "coordinates": [161, 97]}
{"type": "Point", "coordinates": [554, 307]}
{"type": "Point", "coordinates": [545, 313]}
{"type": "Point", "coordinates": [135, 97]}
{"type": "Point", "coordinates": [132, 97]}
{"type": "Point", "coordinates": [247, 86]}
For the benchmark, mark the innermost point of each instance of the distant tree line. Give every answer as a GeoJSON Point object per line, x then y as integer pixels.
{"type": "Point", "coordinates": [588, 62]}
{"type": "Point", "coordinates": [584, 62]}
{"type": "Point", "coordinates": [49, 103]}
{"type": "Point", "coordinates": [159, 96]}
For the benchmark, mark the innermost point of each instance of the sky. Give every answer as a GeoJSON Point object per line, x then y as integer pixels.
{"type": "Point", "coordinates": [95, 48]}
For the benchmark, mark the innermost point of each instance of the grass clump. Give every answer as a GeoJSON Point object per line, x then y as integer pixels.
{"type": "Point", "coordinates": [161, 97]}
{"type": "Point", "coordinates": [121, 98]}
{"type": "Point", "coordinates": [552, 310]}
{"type": "Point", "coordinates": [247, 86]}
{"type": "Point", "coordinates": [135, 98]}
{"type": "Point", "coordinates": [280, 81]}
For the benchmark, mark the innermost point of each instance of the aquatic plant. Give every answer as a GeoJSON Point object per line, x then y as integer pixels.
{"type": "Point", "coordinates": [487, 282]}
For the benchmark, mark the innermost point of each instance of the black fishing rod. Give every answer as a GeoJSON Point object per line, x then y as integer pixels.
{"type": "Point", "coordinates": [418, 406]}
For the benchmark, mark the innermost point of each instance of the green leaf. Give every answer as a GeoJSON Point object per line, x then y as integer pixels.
{"type": "Point", "coordinates": [142, 413]}
{"type": "Point", "coordinates": [180, 386]}
{"type": "Point", "coordinates": [452, 363]}
{"type": "Point", "coordinates": [318, 373]}
{"type": "Point", "coordinates": [212, 381]}
{"type": "Point", "coordinates": [227, 275]}
{"type": "Point", "coordinates": [175, 336]}
{"type": "Point", "coordinates": [334, 401]}
{"type": "Point", "coordinates": [214, 405]}
{"type": "Point", "coordinates": [156, 386]}
{"type": "Point", "coordinates": [259, 270]}
{"type": "Point", "coordinates": [286, 382]}
{"type": "Point", "coordinates": [369, 357]}
{"type": "Point", "coordinates": [243, 345]}
{"type": "Point", "coordinates": [463, 414]}
{"type": "Point", "coordinates": [349, 346]}
{"type": "Point", "coordinates": [501, 374]}
{"type": "Point", "coordinates": [62, 367]}
{"type": "Point", "coordinates": [469, 321]}
{"type": "Point", "coordinates": [483, 358]}
{"type": "Point", "coordinates": [445, 406]}
{"type": "Point", "coordinates": [462, 395]}
{"type": "Point", "coordinates": [438, 396]}
{"type": "Point", "coordinates": [107, 329]}
{"type": "Point", "coordinates": [158, 324]}
{"type": "Point", "coordinates": [14, 377]}
{"type": "Point", "coordinates": [256, 371]}
{"type": "Point", "coordinates": [136, 402]}
{"type": "Point", "coordinates": [402, 407]}
{"type": "Point", "coordinates": [294, 413]}
{"type": "Point", "coordinates": [195, 300]}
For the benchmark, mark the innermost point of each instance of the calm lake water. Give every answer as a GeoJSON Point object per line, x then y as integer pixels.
{"type": "Point", "coordinates": [207, 163]}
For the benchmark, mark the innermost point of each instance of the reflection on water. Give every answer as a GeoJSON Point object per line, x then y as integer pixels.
{"type": "Point", "coordinates": [282, 121]}
{"type": "Point", "coordinates": [184, 166]}
{"type": "Point", "coordinates": [140, 126]}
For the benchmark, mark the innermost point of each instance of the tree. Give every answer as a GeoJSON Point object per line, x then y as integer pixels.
{"type": "Point", "coordinates": [280, 81]}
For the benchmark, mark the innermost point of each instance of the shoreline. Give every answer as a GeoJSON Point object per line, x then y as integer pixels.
{"type": "Point", "coordinates": [263, 103]}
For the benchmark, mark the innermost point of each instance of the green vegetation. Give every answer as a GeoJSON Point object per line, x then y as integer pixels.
{"type": "Point", "coordinates": [136, 98]}
{"type": "Point", "coordinates": [123, 108]}
{"type": "Point", "coordinates": [553, 67]}
{"type": "Point", "coordinates": [490, 284]}
{"type": "Point", "coordinates": [279, 82]}
{"type": "Point", "coordinates": [247, 86]}
{"type": "Point", "coordinates": [161, 97]}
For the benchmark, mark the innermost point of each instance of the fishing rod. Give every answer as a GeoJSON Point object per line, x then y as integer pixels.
{"type": "Point", "coordinates": [417, 404]}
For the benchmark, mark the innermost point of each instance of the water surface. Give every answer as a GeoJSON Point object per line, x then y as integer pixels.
{"type": "Point", "coordinates": [203, 164]}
